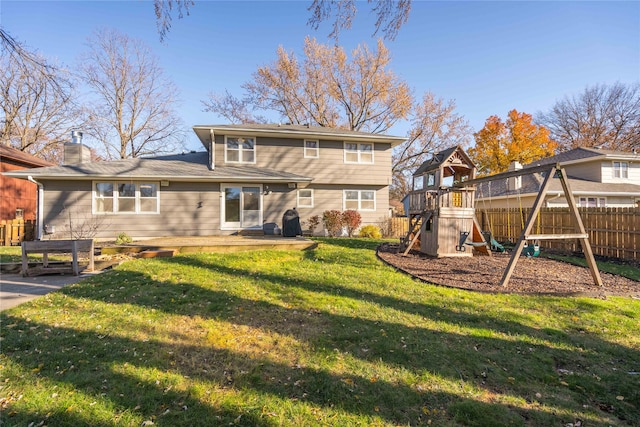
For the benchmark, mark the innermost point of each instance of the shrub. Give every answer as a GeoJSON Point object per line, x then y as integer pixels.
{"type": "Point", "coordinates": [371, 232]}
{"type": "Point", "coordinates": [332, 221]}
{"type": "Point", "coordinates": [352, 220]}
{"type": "Point", "coordinates": [313, 223]}
{"type": "Point", "coordinates": [123, 238]}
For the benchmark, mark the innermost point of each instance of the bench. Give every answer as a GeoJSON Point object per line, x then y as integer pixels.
{"type": "Point", "coordinates": [45, 247]}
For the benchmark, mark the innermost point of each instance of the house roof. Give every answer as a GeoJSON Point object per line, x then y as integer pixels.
{"type": "Point", "coordinates": [178, 167]}
{"type": "Point", "coordinates": [25, 159]}
{"type": "Point", "coordinates": [439, 158]}
{"type": "Point", "coordinates": [531, 185]}
{"type": "Point", "coordinates": [298, 131]}
{"type": "Point", "coordinates": [582, 154]}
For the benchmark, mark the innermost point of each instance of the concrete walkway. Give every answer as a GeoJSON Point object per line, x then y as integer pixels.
{"type": "Point", "coordinates": [15, 289]}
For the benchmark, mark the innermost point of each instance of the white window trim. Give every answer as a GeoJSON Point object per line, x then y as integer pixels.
{"type": "Point", "coordinates": [344, 200]}
{"type": "Point", "coordinates": [359, 152]}
{"type": "Point", "coordinates": [613, 170]}
{"type": "Point", "coordinates": [312, 198]}
{"type": "Point", "coordinates": [586, 200]}
{"type": "Point", "coordinates": [317, 149]}
{"type": "Point", "coordinates": [240, 151]}
{"type": "Point", "coordinates": [137, 211]}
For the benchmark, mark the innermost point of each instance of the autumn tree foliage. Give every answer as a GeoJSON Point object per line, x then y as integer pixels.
{"type": "Point", "coordinates": [499, 143]}
{"type": "Point", "coordinates": [326, 88]}
{"type": "Point", "coordinates": [604, 116]}
{"type": "Point", "coordinates": [133, 108]}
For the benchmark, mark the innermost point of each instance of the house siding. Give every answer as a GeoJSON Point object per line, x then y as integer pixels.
{"type": "Point", "coordinates": [325, 197]}
{"type": "Point", "coordinates": [186, 209]}
{"type": "Point", "coordinates": [588, 171]}
{"type": "Point", "coordinates": [287, 154]}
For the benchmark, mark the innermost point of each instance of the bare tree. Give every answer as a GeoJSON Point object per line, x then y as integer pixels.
{"type": "Point", "coordinates": [164, 14]}
{"type": "Point", "coordinates": [390, 14]}
{"type": "Point", "coordinates": [603, 116]}
{"type": "Point", "coordinates": [434, 126]}
{"type": "Point", "coordinates": [132, 113]}
{"type": "Point", "coordinates": [234, 109]}
{"type": "Point", "coordinates": [327, 89]}
{"type": "Point", "coordinates": [37, 104]}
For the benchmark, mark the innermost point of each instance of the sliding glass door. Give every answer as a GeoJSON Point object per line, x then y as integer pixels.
{"type": "Point", "coordinates": [241, 206]}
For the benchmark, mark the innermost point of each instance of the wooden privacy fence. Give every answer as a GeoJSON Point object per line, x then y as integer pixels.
{"type": "Point", "coordinates": [613, 232]}
{"type": "Point", "coordinates": [15, 231]}
{"type": "Point", "coordinates": [395, 227]}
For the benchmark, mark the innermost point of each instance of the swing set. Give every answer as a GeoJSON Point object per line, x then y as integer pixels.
{"type": "Point", "coordinates": [552, 171]}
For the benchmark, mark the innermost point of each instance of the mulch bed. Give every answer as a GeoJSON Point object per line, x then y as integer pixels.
{"type": "Point", "coordinates": [537, 275]}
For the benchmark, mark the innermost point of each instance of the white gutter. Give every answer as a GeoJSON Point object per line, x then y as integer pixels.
{"type": "Point", "coordinates": [39, 205]}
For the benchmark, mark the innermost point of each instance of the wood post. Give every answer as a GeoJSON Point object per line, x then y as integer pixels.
{"type": "Point", "coordinates": [581, 234]}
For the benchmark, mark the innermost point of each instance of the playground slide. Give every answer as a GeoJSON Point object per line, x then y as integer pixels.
{"type": "Point", "coordinates": [495, 246]}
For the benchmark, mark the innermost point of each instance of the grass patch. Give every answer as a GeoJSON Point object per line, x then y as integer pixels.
{"type": "Point", "coordinates": [11, 254]}
{"type": "Point", "coordinates": [328, 336]}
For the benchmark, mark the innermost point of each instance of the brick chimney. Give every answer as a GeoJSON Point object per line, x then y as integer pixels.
{"type": "Point", "coordinates": [75, 152]}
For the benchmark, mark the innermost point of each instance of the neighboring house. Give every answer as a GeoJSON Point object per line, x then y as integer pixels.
{"type": "Point", "coordinates": [18, 197]}
{"type": "Point", "coordinates": [249, 175]}
{"type": "Point", "coordinates": [597, 178]}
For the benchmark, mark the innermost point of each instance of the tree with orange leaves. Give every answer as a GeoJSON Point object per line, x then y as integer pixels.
{"type": "Point", "coordinates": [325, 88]}
{"type": "Point", "coordinates": [518, 139]}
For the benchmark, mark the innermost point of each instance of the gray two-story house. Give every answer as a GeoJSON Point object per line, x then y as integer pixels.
{"type": "Point", "coordinates": [247, 176]}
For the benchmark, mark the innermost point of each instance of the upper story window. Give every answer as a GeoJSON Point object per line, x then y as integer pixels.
{"type": "Point", "coordinates": [240, 149]}
{"type": "Point", "coordinates": [126, 197]}
{"type": "Point", "coordinates": [311, 149]}
{"type": "Point", "coordinates": [418, 183]}
{"type": "Point", "coordinates": [358, 153]}
{"type": "Point", "coordinates": [620, 170]}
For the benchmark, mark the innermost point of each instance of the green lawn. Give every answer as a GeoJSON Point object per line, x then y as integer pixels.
{"type": "Point", "coordinates": [329, 336]}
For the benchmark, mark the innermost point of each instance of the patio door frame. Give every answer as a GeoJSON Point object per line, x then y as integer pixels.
{"type": "Point", "coordinates": [242, 224]}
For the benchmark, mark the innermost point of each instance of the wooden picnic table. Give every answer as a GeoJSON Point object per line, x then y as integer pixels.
{"type": "Point", "coordinates": [45, 247]}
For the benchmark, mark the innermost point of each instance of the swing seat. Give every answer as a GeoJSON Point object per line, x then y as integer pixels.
{"type": "Point", "coordinates": [464, 235]}
{"type": "Point", "coordinates": [531, 250]}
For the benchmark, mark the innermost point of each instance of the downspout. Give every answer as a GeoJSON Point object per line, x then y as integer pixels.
{"type": "Point", "coordinates": [39, 204]}
{"type": "Point", "coordinates": [212, 151]}
{"type": "Point", "coordinates": [557, 196]}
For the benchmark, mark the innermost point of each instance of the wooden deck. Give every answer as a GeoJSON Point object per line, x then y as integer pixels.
{"type": "Point", "coordinates": [211, 244]}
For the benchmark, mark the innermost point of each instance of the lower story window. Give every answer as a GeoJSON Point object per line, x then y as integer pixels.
{"type": "Point", "coordinates": [593, 202]}
{"type": "Point", "coordinates": [360, 200]}
{"type": "Point", "coordinates": [126, 197]}
{"type": "Point", "coordinates": [305, 198]}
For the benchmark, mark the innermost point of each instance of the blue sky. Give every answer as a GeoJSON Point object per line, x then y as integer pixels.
{"type": "Point", "coordinates": [488, 56]}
